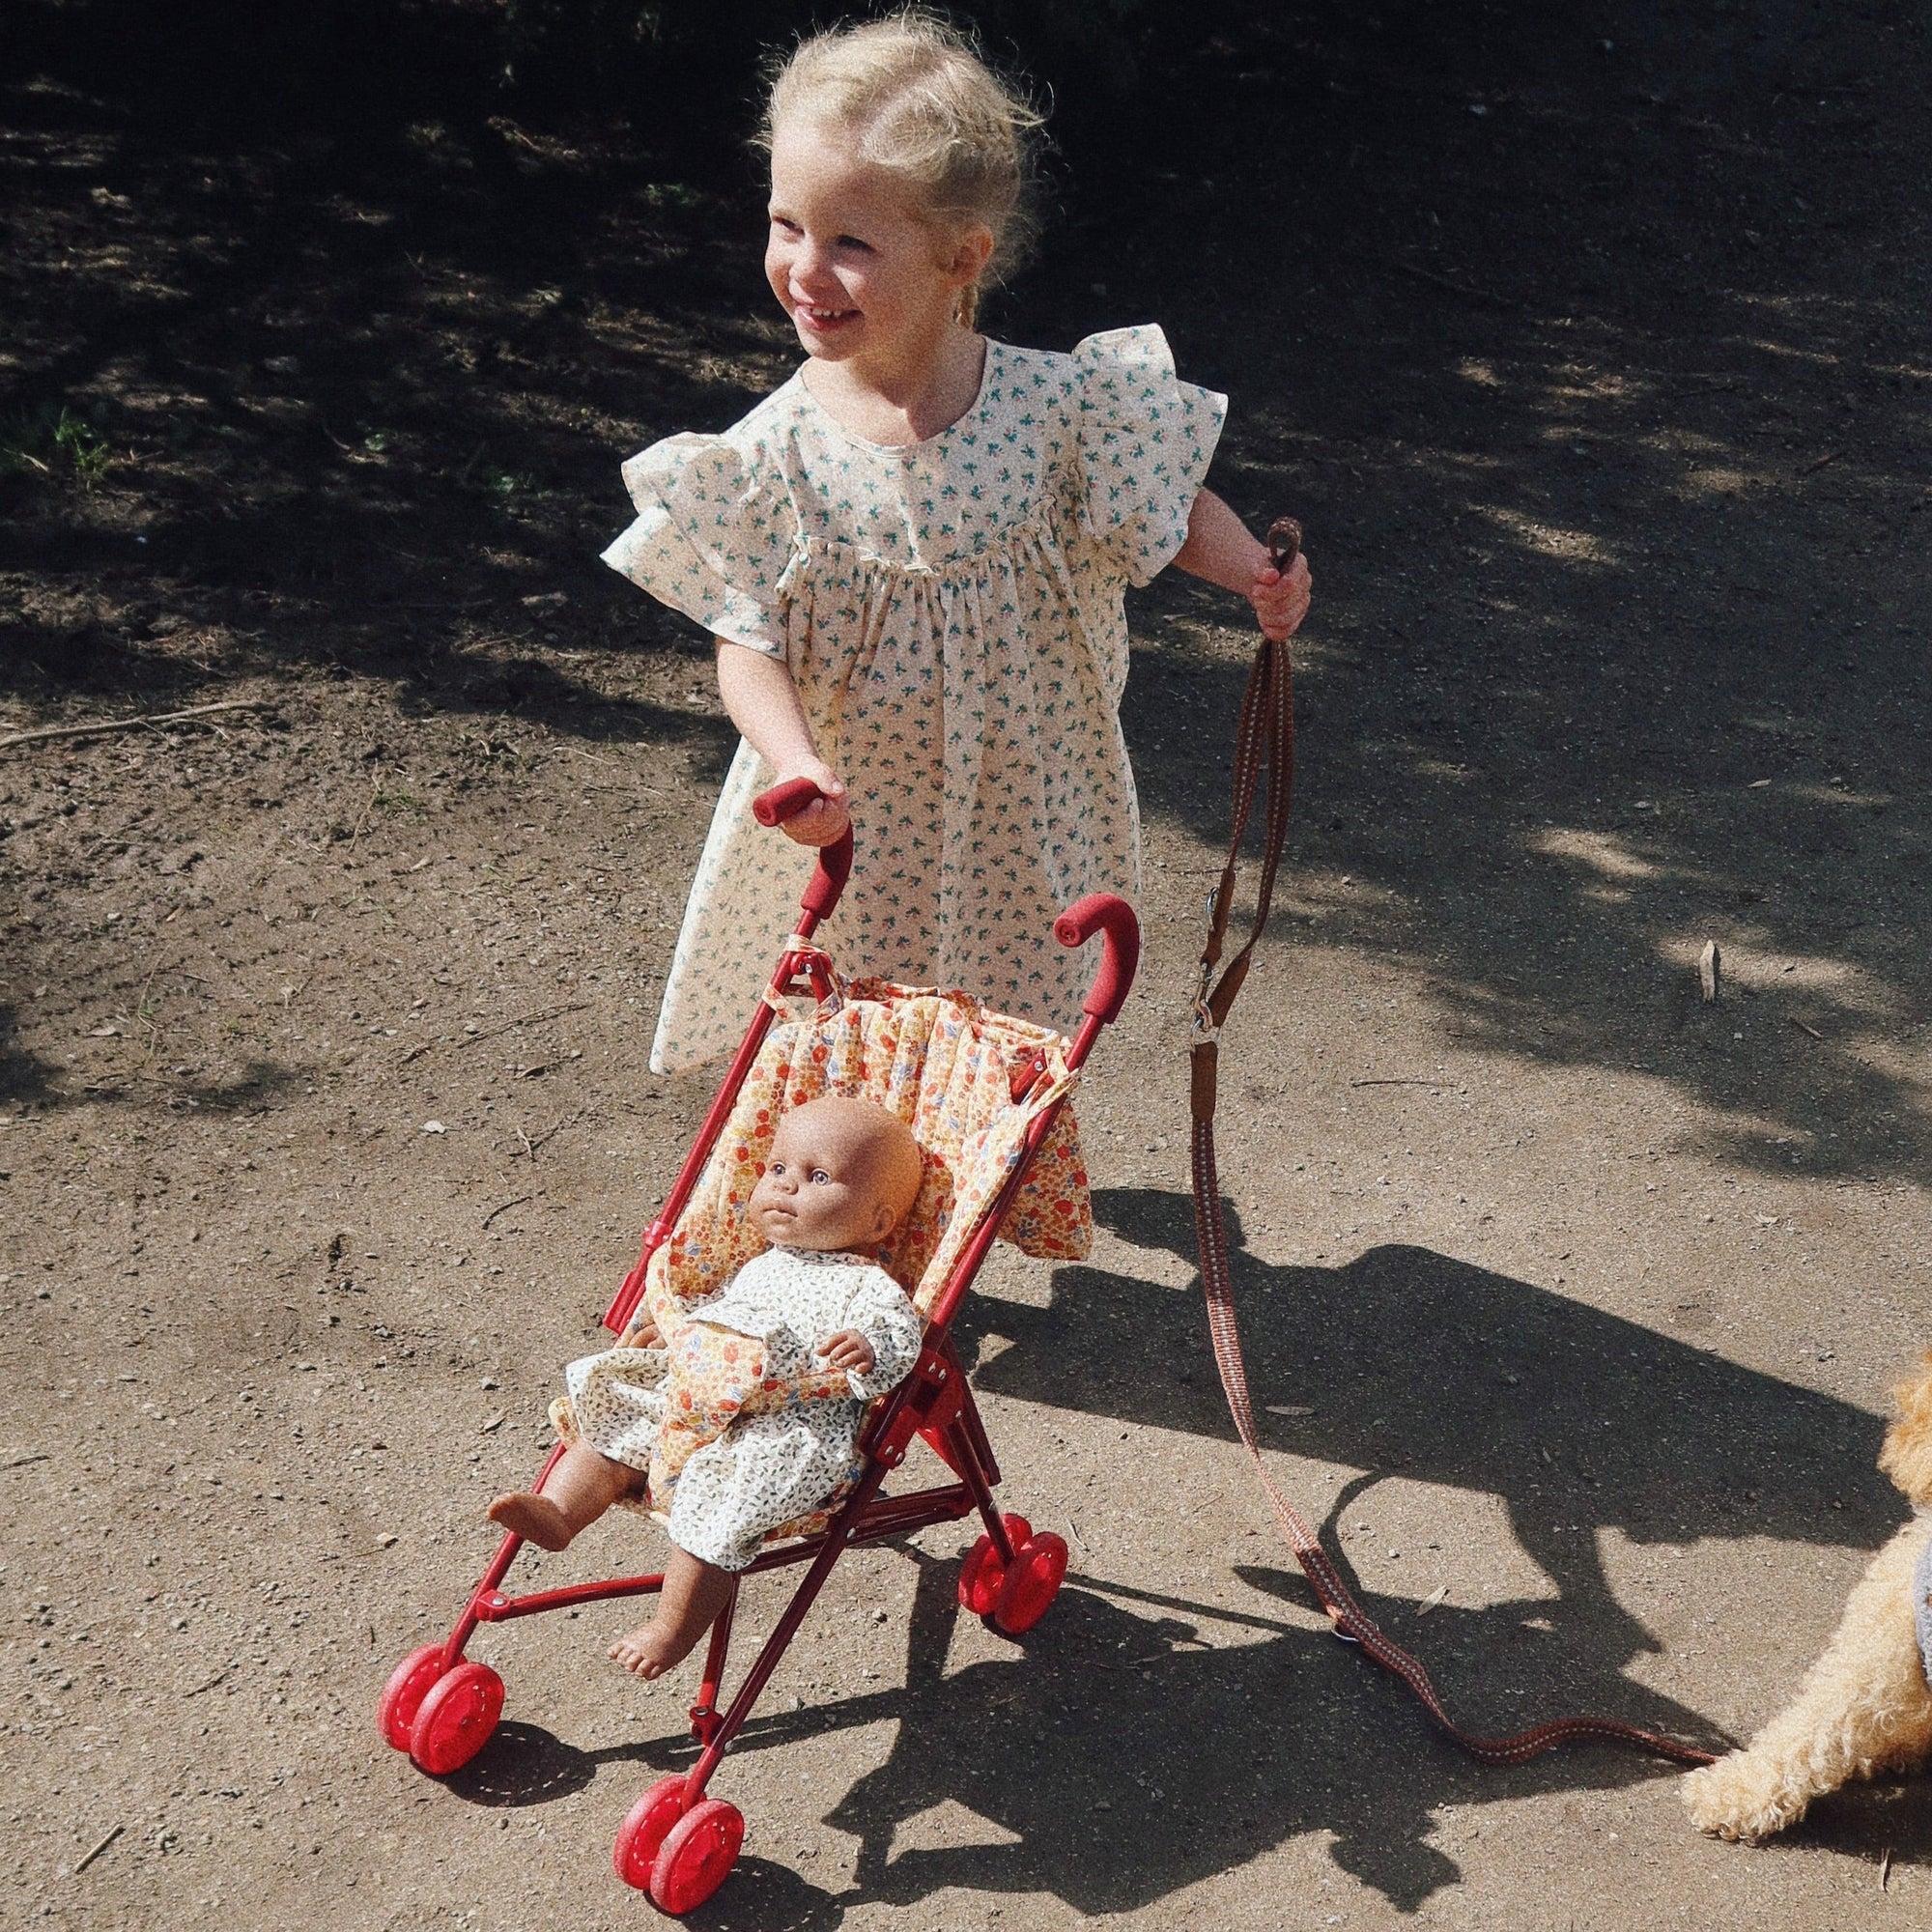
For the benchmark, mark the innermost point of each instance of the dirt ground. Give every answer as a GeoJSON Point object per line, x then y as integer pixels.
{"type": "Point", "coordinates": [1590, 347]}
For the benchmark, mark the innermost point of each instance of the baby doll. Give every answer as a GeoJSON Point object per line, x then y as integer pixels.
{"type": "Point", "coordinates": [1865, 1705]}
{"type": "Point", "coordinates": [657, 1420]}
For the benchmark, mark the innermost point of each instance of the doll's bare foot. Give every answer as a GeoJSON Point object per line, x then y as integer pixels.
{"type": "Point", "coordinates": [582, 1487]}
{"type": "Point", "coordinates": [693, 1593]}
{"type": "Point", "coordinates": [534, 1518]}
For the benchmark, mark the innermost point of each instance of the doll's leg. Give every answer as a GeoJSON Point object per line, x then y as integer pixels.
{"type": "Point", "coordinates": [582, 1487]}
{"type": "Point", "coordinates": [694, 1594]}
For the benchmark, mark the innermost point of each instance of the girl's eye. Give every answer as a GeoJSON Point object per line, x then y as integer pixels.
{"type": "Point", "coordinates": [853, 242]}
{"type": "Point", "coordinates": [784, 225]}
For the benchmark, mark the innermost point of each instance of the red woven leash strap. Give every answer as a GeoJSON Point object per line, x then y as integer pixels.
{"type": "Point", "coordinates": [1264, 740]}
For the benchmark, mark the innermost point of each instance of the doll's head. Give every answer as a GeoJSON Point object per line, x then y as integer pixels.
{"type": "Point", "coordinates": [840, 1175]}
{"type": "Point", "coordinates": [927, 133]}
{"type": "Point", "coordinates": [1907, 1455]}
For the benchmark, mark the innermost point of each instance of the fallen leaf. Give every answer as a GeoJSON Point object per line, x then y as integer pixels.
{"type": "Point", "coordinates": [104, 1033]}
{"type": "Point", "coordinates": [495, 1421]}
{"type": "Point", "coordinates": [1434, 1598]}
{"type": "Point", "coordinates": [1288, 1408]}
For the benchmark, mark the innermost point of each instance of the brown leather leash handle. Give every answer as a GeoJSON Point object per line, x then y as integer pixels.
{"type": "Point", "coordinates": [1264, 739]}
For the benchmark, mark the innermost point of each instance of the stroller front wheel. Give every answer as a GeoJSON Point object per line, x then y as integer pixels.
{"type": "Point", "coordinates": [696, 1855]}
{"type": "Point", "coordinates": [409, 1683]}
{"type": "Point", "coordinates": [645, 1826]}
{"type": "Point", "coordinates": [455, 1721]}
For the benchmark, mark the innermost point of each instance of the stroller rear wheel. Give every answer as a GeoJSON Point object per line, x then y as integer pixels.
{"type": "Point", "coordinates": [409, 1683]}
{"type": "Point", "coordinates": [696, 1855]}
{"type": "Point", "coordinates": [982, 1573]}
{"type": "Point", "coordinates": [455, 1721]}
{"type": "Point", "coordinates": [1031, 1583]}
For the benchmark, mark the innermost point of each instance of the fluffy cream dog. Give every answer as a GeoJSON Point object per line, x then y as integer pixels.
{"type": "Point", "coordinates": [1864, 1707]}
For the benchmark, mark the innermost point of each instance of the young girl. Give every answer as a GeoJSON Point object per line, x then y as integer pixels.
{"type": "Point", "coordinates": [913, 557]}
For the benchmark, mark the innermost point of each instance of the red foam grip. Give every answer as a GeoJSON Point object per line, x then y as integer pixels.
{"type": "Point", "coordinates": [1113, 919]}
{"type": "Point", "coordinates": [784, 800]}
{"type": "Point", "coordinates": [834, 861]}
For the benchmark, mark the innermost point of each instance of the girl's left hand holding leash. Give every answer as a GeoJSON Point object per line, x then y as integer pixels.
{"type": "Point", "coordinates": [1281, 598]}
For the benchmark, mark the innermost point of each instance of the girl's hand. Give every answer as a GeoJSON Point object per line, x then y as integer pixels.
{"type": "Point", "coordinates": [1281, 602]}
{"type": "Point", "coordinates": [848, 1349]}
{"type": "Point", "coordinates": [825, 820]}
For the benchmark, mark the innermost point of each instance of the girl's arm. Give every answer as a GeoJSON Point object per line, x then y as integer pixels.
{"type": "Point", "coordinates": [1222, 550]}
{"type": "Point", "coordinates": [762, 702]}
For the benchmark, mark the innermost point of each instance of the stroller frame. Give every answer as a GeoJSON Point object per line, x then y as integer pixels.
{"type": "Point", "coordinates": [677, 1843]}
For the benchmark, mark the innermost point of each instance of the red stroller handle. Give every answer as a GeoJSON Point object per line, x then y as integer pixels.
{"type": "Point", "coordinates": [1113, 919]}
{"type": "Point", "coordinates": [834, 861]}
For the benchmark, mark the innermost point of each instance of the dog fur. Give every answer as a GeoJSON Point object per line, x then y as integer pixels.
{"type": "Point", "coordinates": [1864, 1705]}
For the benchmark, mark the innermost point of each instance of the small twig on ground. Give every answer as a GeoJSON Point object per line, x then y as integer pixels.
{"type": "Point", "coordinates": [211, 1682]}
{"type": "Point", "coordinates": [1885, 1871]}
{"type": "Point", "coordinates": [87, 1858]}
{"type": "Point", "coordinates": [102, 726]}
{"type": "Point", "coordinates": [505, 1207]}
{"type": "Point", "coordinates": [524, 1019]}
{"type": "Point", "coordinates": [1803, 1027]}
{"type": "Point", "coordinates": [1395, 1083]}
{"type": "Point", "coordinates": [1466, 290]}
{"type": "Point", "coordinates": [1829, 456]}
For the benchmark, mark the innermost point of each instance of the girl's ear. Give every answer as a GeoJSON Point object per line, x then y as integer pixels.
{"type": "Point", "coordinates": [972, 250]}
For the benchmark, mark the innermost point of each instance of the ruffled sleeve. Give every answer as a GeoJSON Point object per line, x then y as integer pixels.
{"type": "Point", "coordinates": [711, 538]}
{"type": "Point", "coordinates": [1145, 440]}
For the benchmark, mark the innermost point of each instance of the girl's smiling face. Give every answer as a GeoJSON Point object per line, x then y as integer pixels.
{"type": "Point", "coordinates": [863, 276]}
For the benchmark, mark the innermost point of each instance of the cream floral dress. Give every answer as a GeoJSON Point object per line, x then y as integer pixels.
{"type": "Point", "coordinates": [951, 612]}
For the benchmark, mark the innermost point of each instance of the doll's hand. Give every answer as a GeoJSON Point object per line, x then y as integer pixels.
{"type": "Point", "coordinates": [825, 820]}
{"type": "Point", "coordinates": [643, 1333]}
{"type": "Point", "coordinates": [1281, 600]}
{"type": "Point", "coordinates": [848, 1349]}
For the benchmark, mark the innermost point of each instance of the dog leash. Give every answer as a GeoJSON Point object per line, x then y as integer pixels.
{"type": "Point", "coordinates": [1264, 739]}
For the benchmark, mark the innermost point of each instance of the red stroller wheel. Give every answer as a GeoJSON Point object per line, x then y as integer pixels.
{"type": "Point", "coordinates": [454, 1722]}
{"type": "Point", "coordinates": [646, 1825]}
{"type": "Point", "coordinates": [982, 1573]}
{"type": "Point", "coordinates": [1031, 1583]}
{"type": "Point", "coordinates": [403, 1695]}
{"type": "Point", "coordinates": [696, 1855]}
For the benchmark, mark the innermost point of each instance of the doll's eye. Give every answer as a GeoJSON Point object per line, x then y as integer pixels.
{"type": "Point", "coordinates": [775, 1166]}
{"type": "Point", "coordinates": [819, 1175]}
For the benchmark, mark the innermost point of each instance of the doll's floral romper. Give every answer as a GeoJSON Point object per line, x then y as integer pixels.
{"type": "Point", "coordinates": [951, 612]}
{"type": "Point", "coordinates": [724, 1478]}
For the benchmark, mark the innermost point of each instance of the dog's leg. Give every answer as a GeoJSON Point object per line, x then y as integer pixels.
{"type": "Point", "coordinates": [1862, 1707]}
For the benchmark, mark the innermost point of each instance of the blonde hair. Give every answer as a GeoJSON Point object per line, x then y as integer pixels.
{"type": "Point", "coordinates": [925, 108]}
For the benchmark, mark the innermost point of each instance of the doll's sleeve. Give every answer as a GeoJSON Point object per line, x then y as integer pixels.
{"type": "Point", "coordinates": [713, 538]}
{"type": "Point", "coordinates": [1146, 439]}
{"type": "Point", "coordinates": [878, 1308]}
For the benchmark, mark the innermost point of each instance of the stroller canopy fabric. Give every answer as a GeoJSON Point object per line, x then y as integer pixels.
{"type": "Point", "coordinates": [945, 1064]}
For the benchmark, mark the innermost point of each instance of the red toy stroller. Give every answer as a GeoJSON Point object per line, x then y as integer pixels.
{"type": "Point", "coordinates": [985, 1097]}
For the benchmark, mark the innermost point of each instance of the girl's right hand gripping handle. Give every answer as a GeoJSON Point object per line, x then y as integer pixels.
{"type": "Point", "coordinates": [1113, 919]}
{"type": "Point", "coordinates": [834, 861]}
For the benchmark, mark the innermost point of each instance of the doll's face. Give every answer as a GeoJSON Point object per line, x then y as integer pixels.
{"type": "Point", "coordinates": [835, 1179]}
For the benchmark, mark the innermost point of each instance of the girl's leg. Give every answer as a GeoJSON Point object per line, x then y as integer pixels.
{"type": "Point", "coordinates": [582, 1487]}
{"type": "Point", "coordinates": [694, 1594]}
